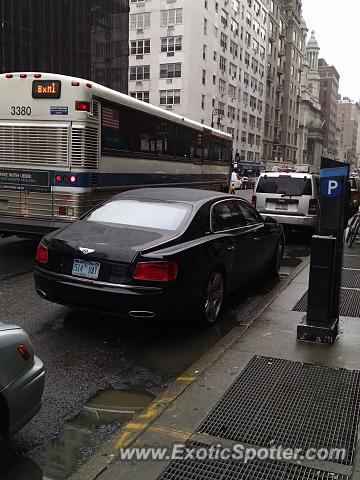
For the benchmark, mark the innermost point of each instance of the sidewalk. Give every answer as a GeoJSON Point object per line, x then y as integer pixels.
{"type": "Point", "coordinates": [266, 389]}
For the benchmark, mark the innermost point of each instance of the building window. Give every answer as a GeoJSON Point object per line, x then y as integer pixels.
{"type": "Point", "coordinates": [243, 137]}
{"type": "Point", "coordinates": [171, 44]}
{"type": "Point", "coordinates": [203, 101]}
{"type": "Point", "coordinates": [205, 26]}
{"type": "Point", "coordinates": [223, 41]}
{"type": "Point", "coordinates": [140, 47]}
{"type": "Point", "coordinates": [204, 52]}
{"type": "Point", "coordinates": [140, 72]}
{"type": "Point", "coordinates": [234, 27]}
{"type": "Point", "coordinates": [222, 86]}
{"type": "Point", "coordinates": [170, 70]}
{"type": "Point", "coordinates": [203, 77]}
{"type": "Point", "coordinates": [169, 97]}
{"type": "Point", "coordinates": [231, 112]}
{"type": "Point", "coordinates": [140, 20]}
{"type": "Point", "coordinates": [222, 64]}
{"type": "Point", "coordinates": [171, 17]}
{"type": "Point", "coordinates": [224, 18]}
{"type": "Point", "coordinates": [143, 96]}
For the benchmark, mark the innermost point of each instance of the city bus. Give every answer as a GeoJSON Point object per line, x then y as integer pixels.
{"type": "Point", "coordinates": [67, 144]}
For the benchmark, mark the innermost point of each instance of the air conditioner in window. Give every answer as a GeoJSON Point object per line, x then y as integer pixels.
{"type": "Point", "coordinates": [169, 107]}
{"type": "Point", "coordinates": [139, 30]}
{"type": "Point", "coordinates": [169, 80]}
{"type": "Point", "coordinates": [139, 82]}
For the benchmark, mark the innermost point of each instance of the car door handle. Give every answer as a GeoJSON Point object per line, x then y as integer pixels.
{"type": "Point", "coordinates": [256, 239]}
{"type": "Point", "coordinates": [230, 248]}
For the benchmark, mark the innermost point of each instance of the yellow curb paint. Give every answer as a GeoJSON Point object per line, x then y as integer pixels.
{"type": "Point", "coordinates": [185, 379]}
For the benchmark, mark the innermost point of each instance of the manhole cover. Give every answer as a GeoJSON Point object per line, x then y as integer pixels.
{"type": "Point", "coordinates": [296, 405]}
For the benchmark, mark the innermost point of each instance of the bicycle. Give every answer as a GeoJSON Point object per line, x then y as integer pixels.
{"type": "Point", "coordinates": [353, 230]}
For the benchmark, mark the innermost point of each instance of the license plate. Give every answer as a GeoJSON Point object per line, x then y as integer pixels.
{"type": "Point", "coordinates": [281, 206]}
{"type": "Point", "coordinates": [87, 269]}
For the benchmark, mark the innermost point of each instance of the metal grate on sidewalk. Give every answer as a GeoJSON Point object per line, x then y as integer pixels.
{"type": "Point", "coordinates": [278, 402]}
{"type": "Point", "coordinates": [349, 303]}
{"type": "Point", "coordinates": [193, 469]}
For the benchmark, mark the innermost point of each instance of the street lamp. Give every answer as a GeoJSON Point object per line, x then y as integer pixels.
{"type": "Point", "coordinates": [216, 111]}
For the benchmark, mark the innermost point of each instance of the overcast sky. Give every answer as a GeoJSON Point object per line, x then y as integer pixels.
{"type": "Point", "coordinates": [337, 29]}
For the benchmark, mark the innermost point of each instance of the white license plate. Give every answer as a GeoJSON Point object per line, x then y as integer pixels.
{"type": "Point", "coordinates": [84, 268]}
{"type": "Point", "coordinates": [281, 206]}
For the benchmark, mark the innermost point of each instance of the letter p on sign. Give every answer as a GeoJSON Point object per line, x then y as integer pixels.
{"type": "Point", "coordinates": [331, 187]}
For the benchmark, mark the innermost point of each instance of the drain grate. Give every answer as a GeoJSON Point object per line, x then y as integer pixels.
{"type": "Point", "coordinates": [235, 470]}
{"type": "Point", "coordinates": [350, 278]}
{"type": "Point", "coordinates": [351, 261]}
{"type": "Point", "coordinates": [349, 303]}
{"type": "Point", "coordinates": [290, 404]}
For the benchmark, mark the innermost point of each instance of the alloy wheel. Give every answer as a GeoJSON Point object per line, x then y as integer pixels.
{"type": "Point", "coordinates": [214, 297]}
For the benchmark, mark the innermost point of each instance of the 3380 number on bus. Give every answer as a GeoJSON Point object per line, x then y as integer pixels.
{"type": "Point", "coordinates": [20, 110]}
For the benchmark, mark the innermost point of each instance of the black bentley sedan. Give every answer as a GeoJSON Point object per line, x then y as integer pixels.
{"type": "Point", "coordinates": [151, 251]}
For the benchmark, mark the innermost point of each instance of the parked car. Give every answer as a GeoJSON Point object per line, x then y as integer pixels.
{"type": "Point", "coordinates": [291, 198]}
{"type": "Point", "coordinates": [354, 195]}
{"type": "Point", "coordinates": [21, 381]}
{"type": "Point", "coordinates": [246, 183]}
{"type": "Point", "coordinates": [158, 250]}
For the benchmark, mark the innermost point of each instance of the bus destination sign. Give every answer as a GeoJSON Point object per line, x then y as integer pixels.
{"type": "Point", "coordinates": [18, 180]}
{"type": "Point", "coordinates": [46, 89]}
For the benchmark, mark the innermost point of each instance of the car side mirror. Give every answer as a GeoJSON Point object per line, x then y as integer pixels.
{"type": "Point", "coordinates": [269, 220]}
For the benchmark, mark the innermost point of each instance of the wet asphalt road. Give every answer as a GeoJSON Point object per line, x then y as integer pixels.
{"type": "Point", "coordinates": [84, 353]}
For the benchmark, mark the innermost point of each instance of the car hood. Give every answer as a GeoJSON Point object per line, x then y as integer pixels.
{"type": "Point", "coordinates": [116, 243]}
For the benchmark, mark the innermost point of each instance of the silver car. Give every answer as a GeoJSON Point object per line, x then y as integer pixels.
{"type": "Point", "coordinates": [22, 379]}
{"type": "Point", "coordinates": [291, 198]}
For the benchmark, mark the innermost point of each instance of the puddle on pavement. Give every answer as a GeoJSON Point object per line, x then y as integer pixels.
{"type": "Point", "coordinates": [100, 416]}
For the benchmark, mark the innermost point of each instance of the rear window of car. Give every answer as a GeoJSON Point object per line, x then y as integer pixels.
{"type": "Point", "coordinates": [136, 213]}
{"type": "Point", "coordinates": [285, 185]}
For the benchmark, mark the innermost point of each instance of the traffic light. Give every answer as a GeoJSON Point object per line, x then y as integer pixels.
{"type": "Point", "coordinates": [199, 139]}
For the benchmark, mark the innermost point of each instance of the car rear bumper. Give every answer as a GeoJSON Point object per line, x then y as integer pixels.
{"type": "Point", "coordinates": [133, 301]}
{"type": "Point", "coordinates": [294, 220]}
{"type": "Point", "coordinates": [23, 396]}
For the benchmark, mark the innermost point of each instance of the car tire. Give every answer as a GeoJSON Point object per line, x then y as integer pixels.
{"type": "Point", "coordinates": [274, 269]}
{"type": "Point", "coordinates": [209, 308]}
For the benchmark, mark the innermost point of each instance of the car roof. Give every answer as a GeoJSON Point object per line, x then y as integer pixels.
{"type": "Point", "coordinates": [185, 195]}
{"type": "Point", "coordinates": [288, 174]}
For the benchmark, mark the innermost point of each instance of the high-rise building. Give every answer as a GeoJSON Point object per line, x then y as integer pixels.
{"type": "Point", "coordinates": [205, 60]}
{"type": "Point", "coordinates": [83, 38]}
{"type": "Point", "coordinates": [275, 83]}
{"type": "Point", "coordinates": [284, 67]}
{"type": "Point", "coordinates": [292, 79]}
{"type": "Point", "coordinates": [329, 91]}
{"type": "Point", "coordinates": [311, 122]}
{"type": "Point", "coordinates": [348, 117]}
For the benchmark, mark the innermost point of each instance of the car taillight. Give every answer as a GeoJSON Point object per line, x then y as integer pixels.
{"type": "Point", "coordinates": [313, 207]}
{"type": "Point", "coordinates": [161, 271]}
{"type": "Point", "coordinates": [24, 352]}
{"type": "Point", "coordinates": [253, 201]}
{"type": "Point", "coordinates": [42, 254]}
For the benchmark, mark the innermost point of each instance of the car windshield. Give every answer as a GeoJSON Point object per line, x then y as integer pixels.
{"type": "Point", "coordinates": [285, 185]}
{"type": "Point", "coordinates": [135, 213]}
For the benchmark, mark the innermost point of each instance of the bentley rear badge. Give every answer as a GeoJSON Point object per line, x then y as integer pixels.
{"type": "Point", "coordinates": [86, 250]}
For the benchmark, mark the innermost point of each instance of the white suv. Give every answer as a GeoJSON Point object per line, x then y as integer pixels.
{"type": "Point", "coordinates": [290, 198]}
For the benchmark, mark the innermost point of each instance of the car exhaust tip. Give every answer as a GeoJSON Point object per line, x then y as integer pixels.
{"type": "Point", "coordinates": [41, 293]}
{"type": "Point", "coordinates": [141, 314]}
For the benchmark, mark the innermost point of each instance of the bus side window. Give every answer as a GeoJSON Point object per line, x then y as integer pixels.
{"type": "Point", "coordinates": [183, 141]}
{"type": "Point", "coordinates": [218, 150]}
{"type": "Point", "coordinates": [116, 128]}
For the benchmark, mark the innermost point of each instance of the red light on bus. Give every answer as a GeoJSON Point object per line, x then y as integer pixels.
{"type": "Point", "coordinates": [37, 75]}
{"type": "Point", "coordinates": [75, 84]}
{"type": "Point", "coordinates": [89, 85]}
{"type": "Point", "coordinates": [82, 106]}
{"type": "Point", "coordinates": [72, 179]}
{"type": "Point", "coordinates": [9, 75]}
{"type": "Point", "coordinates": [58, 178]}
{"type": "Point", "coordinates": [62, 211]}
{"type": "Point", "coordinates": [23, 75]}
{"type": "Point", "coordinates": [66, 178]}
